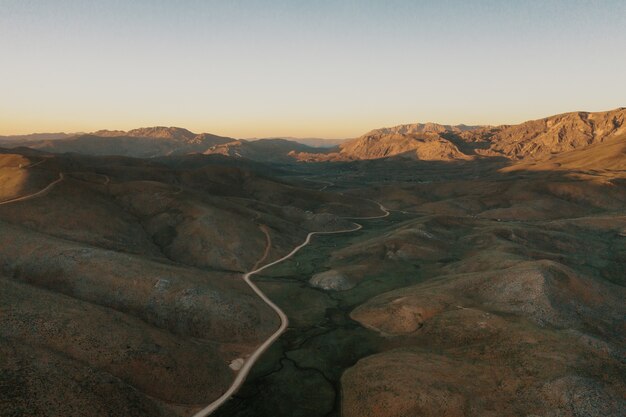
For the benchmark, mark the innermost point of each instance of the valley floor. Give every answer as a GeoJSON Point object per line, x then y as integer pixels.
{"type": "Point", "coordinates": [492, 288]}
{"type": "Point", "coordinates": [469, 300]}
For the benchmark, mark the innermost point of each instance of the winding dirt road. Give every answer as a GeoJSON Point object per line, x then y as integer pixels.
{"type": "Point", "coordinates": [284, 321]}
{"type": "Point", "coordinates": [38, 193]}
{"type": "Point", "coordinates": [328, 183]}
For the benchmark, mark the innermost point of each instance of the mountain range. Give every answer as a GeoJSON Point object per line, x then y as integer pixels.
{"type": "Point", "coordinates": [535, 139]}
{"type": "Point", "coordinates": [463, 271]}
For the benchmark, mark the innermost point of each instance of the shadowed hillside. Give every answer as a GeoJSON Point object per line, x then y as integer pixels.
{"type": "Point", "coordinates": [537, 139]}
{"type": "Point", "coordinates": [121, 284]}
{"type": "Point", "coordinates": [495, 287]}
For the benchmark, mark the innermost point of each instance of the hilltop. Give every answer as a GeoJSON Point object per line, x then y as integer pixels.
{"type": "Point", "coordinates": [536, 139]}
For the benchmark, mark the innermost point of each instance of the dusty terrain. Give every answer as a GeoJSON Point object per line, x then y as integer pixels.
{"type": "Point", "coordinates": [494, 288]}
{"type": "Point", "coordinates": [536, 139]}
{"type": "Point", "coordinates": [122, 280]}
{"type": "Point", "coordinates": [149, 142]}
{"type": "Point", "coordinates": [519, 310]}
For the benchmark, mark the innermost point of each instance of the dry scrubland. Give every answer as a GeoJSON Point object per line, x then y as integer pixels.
{"type": "Point", "coordinates": [522, 309]}
{"type": "Point", "coordinates": [120, 289]}
{"type": "Point", "coordinates": [536, 139]}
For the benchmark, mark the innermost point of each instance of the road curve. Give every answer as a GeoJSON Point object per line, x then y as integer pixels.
{"type": "Point", "coordinates": [328, 183]}
{"type": "Point", "coordinates": [38, 193]}
{"type": "Point", "coordinates": [382, 208]}
{"type": "Point", "coordinates": [284, 321]}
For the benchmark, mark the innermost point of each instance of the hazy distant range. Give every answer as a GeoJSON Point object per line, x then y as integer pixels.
{"type": "Point", "coordinates": [313, 142]}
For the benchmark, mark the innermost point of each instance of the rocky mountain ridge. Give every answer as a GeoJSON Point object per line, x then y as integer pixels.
{"type": "Point", "coordinates": [535, 139]}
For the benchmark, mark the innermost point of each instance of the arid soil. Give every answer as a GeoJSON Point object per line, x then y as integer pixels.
{"type": "Point", "coordinates": [536, 139]}
{"type": "Point", "coordinates": [521, 308]}
{"type": "Point", "coordinates": [494, 288]}
{"type": "Point", "coordinates": [121, 285]}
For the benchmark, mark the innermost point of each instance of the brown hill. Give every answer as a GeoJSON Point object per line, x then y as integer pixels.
{"type": "Point", "coordinates": [127, 272]}
{"type": "Point", "coordinates": [494, 287]}
{"type": "Point", "coordinates": [312, 142]}
{"type": "Point", "coordinates": [536, 139]}
{"type": "Point", "coordinates": [266, 150]}
{"type": "Point", "coordinates": [143, 143]}
{"type": "Point", "coordinates": [103, 145]}
{"type": "Point", "coordinates": [609, 155]}
{"type": "Point", "coordinates": [417, 128]}
{"type": "Point", "coordinates": [429, 146]}
{"type": "Point", "coordinates": [517, 281]}
{"type": "Point", "coordinates": [157, 132]}
{"type": "Point", "coordinates": [35, 137]}
{"type": "Point", "coordinates": [159, 141]}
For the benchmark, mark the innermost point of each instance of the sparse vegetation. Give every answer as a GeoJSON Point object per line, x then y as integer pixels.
{"type": "Point", "coordinates": [495, 287]}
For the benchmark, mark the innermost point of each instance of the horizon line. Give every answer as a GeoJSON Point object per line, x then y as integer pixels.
{"type": "Point", "coordinates": [288, 136]}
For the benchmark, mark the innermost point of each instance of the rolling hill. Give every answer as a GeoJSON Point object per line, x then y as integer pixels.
{"type": "Point", "coordinates": [496, 283]}
{"type": "Point", "coordinates": [120, 277]}
{"type": "Point", "coordinates": [536, 139]}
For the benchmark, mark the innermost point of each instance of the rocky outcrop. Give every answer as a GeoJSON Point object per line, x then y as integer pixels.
{"type": "Point", "coordinates": [331, 280]}
{"type": "Point", "coordinates": [535, 139]}
{"type": "Point", "coordinates": [539, 139]}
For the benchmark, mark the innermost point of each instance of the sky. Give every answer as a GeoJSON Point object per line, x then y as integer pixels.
{"type": "Point", "coordinates": [332, 69]}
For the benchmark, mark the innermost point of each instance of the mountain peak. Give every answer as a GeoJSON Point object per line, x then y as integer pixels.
{"type": "Point", "coordinates": [163, 132]}
{"type": "Point", "coordinates": [417, 128]}
{"type": "Point", "coordinates": [156, 132]}
{"type": "Point", "coordinates": [535, 139]}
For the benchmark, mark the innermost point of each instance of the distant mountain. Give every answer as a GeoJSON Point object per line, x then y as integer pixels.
{"type": "Point", "coordinates": [98, 145]}
{"type": "Point", "coordinates": [158, 141]}
{"type": "Point", "coordinates": [541, 138]}
{"type": "Point", "coordinates": [417, 128]}
{"type": "Point", "coordinates": [423, 141]}
{"type": "Point", "coordinates": [143, 142]}
{"type": "Point", "coordinates": [536, 139]}
{"type": "Point", "coordinates": [266, 150]}
{"type": "Point", "coordinates": [177, 134]}
{"type": "Point", "coordinates": [157, 132]}
{"type": "Point", "coordinates": [36, 136]}
{"type": "Point", "coordinates": [607, 155]}
{"type": "Point", "coordinates": [313, 142]}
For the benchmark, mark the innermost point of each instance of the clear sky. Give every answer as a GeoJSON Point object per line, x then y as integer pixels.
{"type": "Point", "coordinates": [310, 68]}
